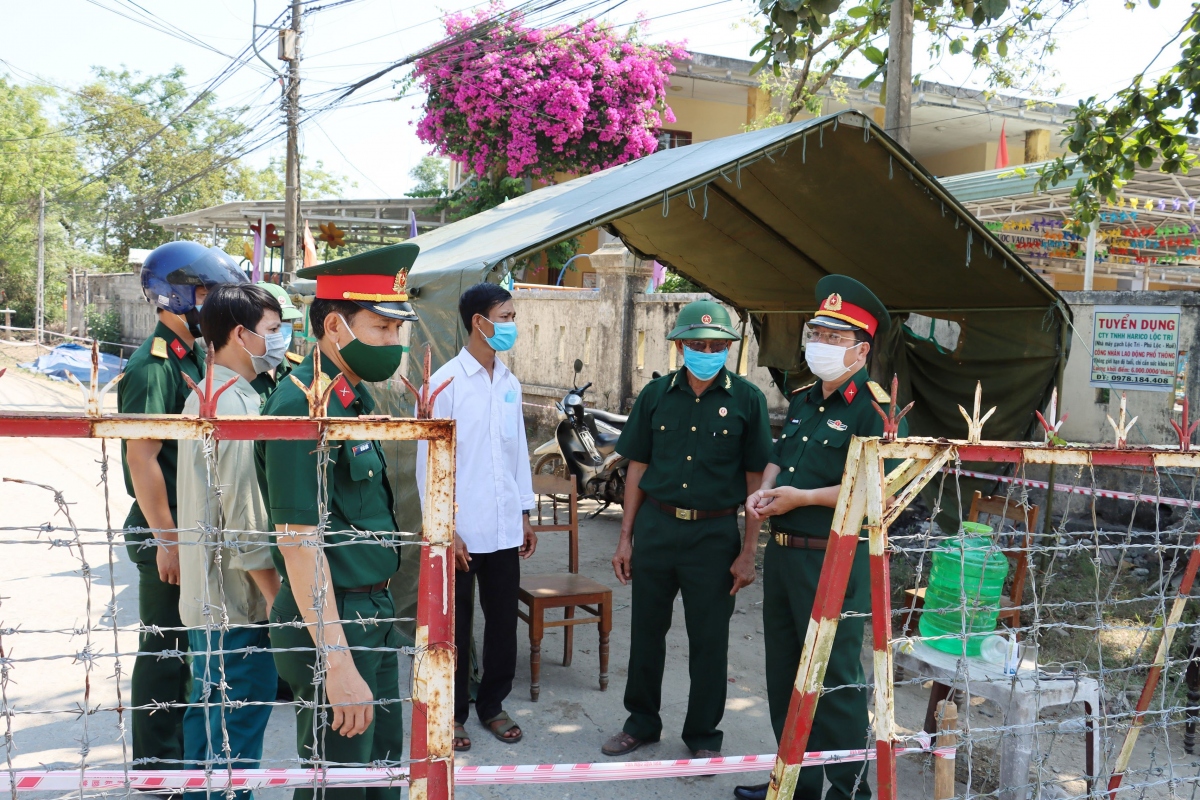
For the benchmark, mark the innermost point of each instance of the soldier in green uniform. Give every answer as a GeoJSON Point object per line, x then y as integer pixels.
{"type": "Point", "coordinates": [696, 439]}
{"type": "Point", "coordinates": [175, 277]}
{"type": "Point", "coordinates": [338, 591]}
{"type": "Point", "coordinates": [278, 353]}
{"type": "Point", "coordinates": [797, 498]}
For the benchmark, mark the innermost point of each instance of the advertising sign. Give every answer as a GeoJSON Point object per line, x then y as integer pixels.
{"type": "Point", "coordinates": [1135, 347]}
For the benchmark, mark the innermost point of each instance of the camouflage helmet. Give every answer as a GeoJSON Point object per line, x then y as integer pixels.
{"type": "Point", "coordinates": [703, 319]}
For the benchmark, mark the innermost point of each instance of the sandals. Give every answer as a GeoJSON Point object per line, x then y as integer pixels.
{"type": "Point", "coordinates": [460, 732]}
{"type": "Point", "coordinates": [621, 743]}
{"type": "Point", "coordinates": [501, 724]}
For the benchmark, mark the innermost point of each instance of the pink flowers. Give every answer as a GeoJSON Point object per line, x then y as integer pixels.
{"type": "Point", "coordinates": [528, 102]}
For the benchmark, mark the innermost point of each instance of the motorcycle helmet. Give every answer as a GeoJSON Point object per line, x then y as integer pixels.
{"type": "Point", "coordinates": [171, 273]}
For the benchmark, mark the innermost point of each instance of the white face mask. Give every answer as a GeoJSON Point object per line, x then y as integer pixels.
{"type": "Point", "coordinates": [827, 361]}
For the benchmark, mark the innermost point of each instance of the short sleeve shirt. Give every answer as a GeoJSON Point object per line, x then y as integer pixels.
{"type": "Point", "coordinates": [698, 449]}
{"type": "Point", "coordinates": [153, 384]}
{"type": "Point", "coordinates": [812, 447]}
{"type": "Point", "coordinates": [359, 496]}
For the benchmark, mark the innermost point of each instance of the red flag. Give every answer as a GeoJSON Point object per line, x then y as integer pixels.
{"type": "Point", "coordinates": [1002, 150]}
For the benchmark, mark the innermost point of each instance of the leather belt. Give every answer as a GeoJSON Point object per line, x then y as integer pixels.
{"type": "Point", "coordinates": [799, 541]}
{"type": "Point", "coordinates": [690, 514]}
{"type": "Point", "coordinates": [375, 587]}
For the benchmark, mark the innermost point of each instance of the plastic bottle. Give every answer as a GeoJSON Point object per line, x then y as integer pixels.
{"type": "Point", "coordinates": [967, 574]}
{"type": "Point", "coordinates": [1001, 651]}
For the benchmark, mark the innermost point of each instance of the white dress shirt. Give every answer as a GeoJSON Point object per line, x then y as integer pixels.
{"type": "Point", "coordinates": [492, 480]}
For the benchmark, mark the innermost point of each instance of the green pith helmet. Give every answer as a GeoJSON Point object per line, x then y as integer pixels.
{"type": "Point", "coordinates": [703, 319]}
{"type": "Point", "coordinates": [284, 299]}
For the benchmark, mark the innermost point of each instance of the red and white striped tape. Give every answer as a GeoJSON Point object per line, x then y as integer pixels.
{"type": "Point", "coordinates": [1065, 487]}
{"type": "Point", "coordinates": [28, 781]}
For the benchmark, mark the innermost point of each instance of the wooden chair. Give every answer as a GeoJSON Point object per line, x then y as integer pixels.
{"type": "Point", "coordinates": [566, 590]}
{"type": "Point", "coordinates": [1014, 543]}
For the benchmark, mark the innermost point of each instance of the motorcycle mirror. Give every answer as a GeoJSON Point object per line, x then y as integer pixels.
{"type": "Point", "coordinates": [578, 366]}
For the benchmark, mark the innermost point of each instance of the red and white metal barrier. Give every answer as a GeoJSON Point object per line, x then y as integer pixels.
{"type": "Point", "coordinates": [1073, 489]}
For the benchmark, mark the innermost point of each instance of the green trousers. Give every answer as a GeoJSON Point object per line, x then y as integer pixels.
{"type": "Point", "coordinates": [789, 586]}
{"type": "Point", "coordinates": [158, 733]}
{"type": "Point", "coordinates": [672, 556]}
{"type": "Point", "coordinates": [383, 740]}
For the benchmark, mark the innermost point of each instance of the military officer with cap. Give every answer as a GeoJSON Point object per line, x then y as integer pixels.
{"type": "Point", "coordinates": [798, 494]}
{"type": "Point", "coordinates": [696, 439]}
{"type": "Point", "coordinates": [175, 277]}
{"type": "Point", "coordinates": [286, 360]}
{"type": "Point", "coordinates": [356, 316]}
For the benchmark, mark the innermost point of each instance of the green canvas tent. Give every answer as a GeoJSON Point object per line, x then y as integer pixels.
{"type": "Point", "coordinates": [756, 219]}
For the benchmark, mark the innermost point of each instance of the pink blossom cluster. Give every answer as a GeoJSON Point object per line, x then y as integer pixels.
{"type": "Point", "coordinates": [530, 102]}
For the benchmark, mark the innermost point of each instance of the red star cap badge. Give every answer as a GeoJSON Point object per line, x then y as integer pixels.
{"type": "Point", "coordinates": [179, 349]}
{"type": "Point", "coordinates": [850, 391]}
{"type": "Point", "coordinates": [343, 391]}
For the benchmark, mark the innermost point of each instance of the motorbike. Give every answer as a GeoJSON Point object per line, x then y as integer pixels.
{"type": "Point", "coordinates": [584, 447]}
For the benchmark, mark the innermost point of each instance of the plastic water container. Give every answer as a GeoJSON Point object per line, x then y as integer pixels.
{"type": "Point", "coordinates": [963, 597]}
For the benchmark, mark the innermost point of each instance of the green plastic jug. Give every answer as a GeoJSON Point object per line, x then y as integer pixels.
{"type": "Point", "coordinates": [967, 576]}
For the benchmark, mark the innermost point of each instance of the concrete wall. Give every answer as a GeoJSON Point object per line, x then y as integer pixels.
{"type": "Point", "coordinates": [120, 291]}
{"type": "Point", "coordinates": [1087, 421]}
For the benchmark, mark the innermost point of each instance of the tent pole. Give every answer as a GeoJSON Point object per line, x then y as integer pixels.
{"type": "Point", "coordinates": [1063, 341]}
{"type": "Point", "coordinates": [1089, 263]}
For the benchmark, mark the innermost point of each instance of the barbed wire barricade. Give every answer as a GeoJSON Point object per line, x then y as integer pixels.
{"type": "Point", "coordinates": [104, 647]}
{"type": "Point", "coordinates": [1068, 644]}
{"type": "Point", "coordinates": [1094, 687]}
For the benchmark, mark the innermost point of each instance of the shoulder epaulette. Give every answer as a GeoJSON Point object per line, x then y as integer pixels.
{"type": "Point", "coordinates": [295, 358]}
{"type": "Point", "coordinates": [158, 348]}
{"type": "Point", "coordinates": [878, 392]}
{"type": "Point", "coordinates": [802, 388]}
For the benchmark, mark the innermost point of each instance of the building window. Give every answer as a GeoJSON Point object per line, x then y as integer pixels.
{"type": "Point", "coordinates": [671, 139]}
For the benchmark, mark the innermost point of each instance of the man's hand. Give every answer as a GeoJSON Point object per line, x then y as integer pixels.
{"type": "Point", "coordinates": [623, 561]}
{"type": "Point", "coordinates": [756, 505]}
{"type": "Point", "coordinates": [461, 556]}
{"type": "Point", "coordinates": [530, 543]}
{"type": "Point", "coordinates": [348, 693]}
{"type": "Point", "coordinates": [167, 559]}
{"type": "Point", "coordinates": [743, 572]}
{"type": "Point", "coordinates": [780, 500]}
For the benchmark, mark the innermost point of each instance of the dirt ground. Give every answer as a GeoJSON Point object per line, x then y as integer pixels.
{"type": "Point", "coordinates": [45, 612]}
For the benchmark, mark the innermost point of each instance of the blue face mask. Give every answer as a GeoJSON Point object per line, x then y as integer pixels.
{"type": "Point", "coordinates": [703, 365]}
{"type": "Point", "coordinates": [504, 337]}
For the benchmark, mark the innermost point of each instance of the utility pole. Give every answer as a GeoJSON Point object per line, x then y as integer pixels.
{"type": "Point", "coordinates": [897, 120]}
{"type": "Point", "coordinates": [289, 51]}
{"type": "Point", "coordinates": [40, 320]}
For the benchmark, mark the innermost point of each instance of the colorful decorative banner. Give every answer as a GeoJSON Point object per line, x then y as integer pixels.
{"type": "Point", "coordinates": [1135, 347]}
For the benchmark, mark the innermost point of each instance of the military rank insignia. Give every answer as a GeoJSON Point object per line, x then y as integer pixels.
{"type": "Point", "coordinates": [158, 348]}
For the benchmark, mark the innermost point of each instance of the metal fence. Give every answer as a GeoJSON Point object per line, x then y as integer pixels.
{"type": "Point", "coordinates": [428, 770]}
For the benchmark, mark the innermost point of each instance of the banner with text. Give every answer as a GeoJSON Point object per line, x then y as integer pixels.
{"type": "Point", "coordinates": [1135, 347]}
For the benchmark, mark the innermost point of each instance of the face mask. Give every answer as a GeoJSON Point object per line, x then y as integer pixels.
{"type": "Point", "coordinates": [371, 362]}
{"type": "Point", "coordinates": [277, 345]}
{"type": "Point", "coordinates": [504, 336]}
{"type": "Point", "coordinates": [192, 320]}
{"type": "Point", "coordinates": [827, 361]}
{"type": "Point", "coordinates": [703, 365]}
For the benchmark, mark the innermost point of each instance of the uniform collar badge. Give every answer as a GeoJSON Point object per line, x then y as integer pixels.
{"type": "Point", "coordinates": [836, 424]}
{"type": "Point", "coordinates": [343, 391]}
{"type": "Point", "coordinates": [849, 391]}
{"type": "Point", "coordinates": [178, 347]}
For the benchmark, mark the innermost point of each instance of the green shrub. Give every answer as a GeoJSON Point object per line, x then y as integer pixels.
{"type": "Point", "coordinates": [104, 326]}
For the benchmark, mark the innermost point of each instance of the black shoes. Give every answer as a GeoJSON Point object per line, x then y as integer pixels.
{"type": "Point", "coordinates": [758, 792]}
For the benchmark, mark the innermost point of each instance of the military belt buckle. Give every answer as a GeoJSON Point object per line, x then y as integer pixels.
{"type": "Point", "coordinates": [685, 513]}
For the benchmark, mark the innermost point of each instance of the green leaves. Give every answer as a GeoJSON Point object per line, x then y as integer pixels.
{"type": "Point", "coordinates": [874, 55]}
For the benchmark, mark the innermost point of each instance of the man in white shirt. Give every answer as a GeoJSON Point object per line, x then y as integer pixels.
{"type": "Point", "coordinates": [227, 582]}
{"type": "Point", "coordinates": [494, 494]}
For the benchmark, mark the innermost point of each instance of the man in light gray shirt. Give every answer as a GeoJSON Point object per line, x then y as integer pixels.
{"type": "Point", "coordinates": [227, 582]}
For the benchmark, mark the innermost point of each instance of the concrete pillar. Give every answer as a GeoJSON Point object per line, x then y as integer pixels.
{"type": "Point", "coordinates": [619, 276]}
{"type": "Point", "coordinates": [1037, 145]}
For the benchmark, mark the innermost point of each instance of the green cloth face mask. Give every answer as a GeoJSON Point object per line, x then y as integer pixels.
{"type": "Point", "coordinates": [372, 363]}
